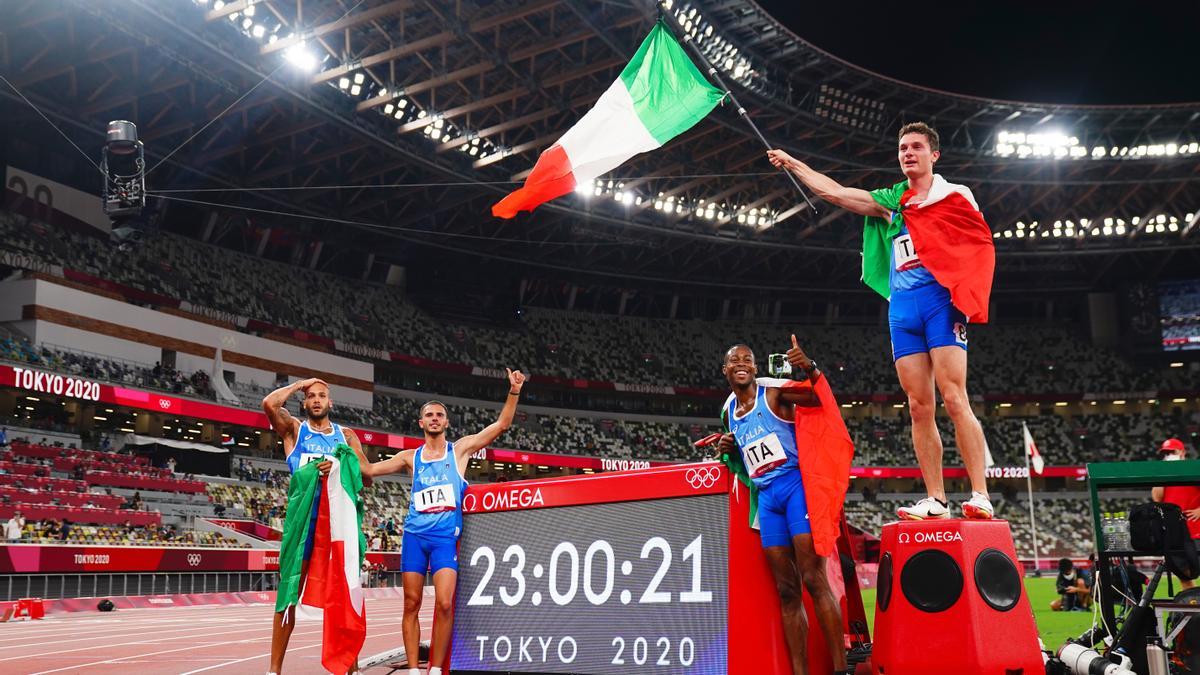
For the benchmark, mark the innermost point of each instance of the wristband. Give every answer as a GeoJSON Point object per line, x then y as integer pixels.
{"type": "Point", "coordinates": [513, 393]}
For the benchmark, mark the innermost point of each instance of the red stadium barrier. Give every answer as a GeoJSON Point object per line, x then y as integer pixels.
{"type": "Point", "coordinates": [125, 480]}
{"type": "Point", "coordinates": [69, 605]}
{"type": "Point", "coordinates": [23, 496]}
{"type": "Point", "coordinates": [250, 527]}
{"type": "Point", "coordinates": [53, 558]}
{"type": "Point", "coordinates": [77, 514]}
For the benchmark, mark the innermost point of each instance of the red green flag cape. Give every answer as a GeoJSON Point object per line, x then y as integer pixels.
{"type": "Point", "coordinates": [333, 582]}
{"type": "Point", "coordinates": [950, 237]}
{"type": "Point", "coordinates": [659, 95]}
{"type": "Point", "coordinates": [825, 451]}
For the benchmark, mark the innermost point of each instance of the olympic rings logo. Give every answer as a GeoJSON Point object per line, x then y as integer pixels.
{"type": "Point", "coordinates": [164, 403]}
{"type": "Point", "coordinates": [193, 559]}
{"type": "Point", "coordinates": [702, 477]}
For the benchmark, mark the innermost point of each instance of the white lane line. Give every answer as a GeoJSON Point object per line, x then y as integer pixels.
{"type": "Point", "coordinates": [268, 654]}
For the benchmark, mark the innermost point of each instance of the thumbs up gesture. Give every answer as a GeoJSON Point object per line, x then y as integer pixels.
{"type": "Point", "coordinates": [799, 360]}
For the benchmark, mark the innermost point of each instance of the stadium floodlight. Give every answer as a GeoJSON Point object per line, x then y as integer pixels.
{"type": "Point", "coordinates": [259, 30]}
{"type": "Point", "coordinates": [249, 11]}
{"type": "Point", "coordinates": [300, 56]}
{"type": "Point", "coordinates": [355, 90]}
{"type": "Point", "coordinates": [389, 108]}
{"type": "Point", "coordinates": [359, 78]}
{"type": "Point", "coordinates": [344, 83]}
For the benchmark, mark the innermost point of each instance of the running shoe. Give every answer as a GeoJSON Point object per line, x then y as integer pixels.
{"type": "Point", "coordinates": [978, 506]}
{"type": "Point", "coordinates": [926, 509]}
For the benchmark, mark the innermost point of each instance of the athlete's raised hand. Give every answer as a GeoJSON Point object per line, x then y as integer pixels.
{"type": "Point", "coordinates": [516, 380]}
{"type": "Point", "coordinates": [797, 357]}
{"type": "Point", "coordinates": [780, 159]}
{"type": "Point", "coordinates": [303, 385]}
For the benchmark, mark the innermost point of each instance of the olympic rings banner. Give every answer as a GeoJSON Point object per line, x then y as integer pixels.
{"type": "Point", "coordinates": [53, 559]}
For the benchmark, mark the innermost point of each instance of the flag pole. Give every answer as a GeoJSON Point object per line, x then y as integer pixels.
{"type": "Point", "coordinates": [665, 14]}
{"type": "Point", "coordinates": [1032, 522]}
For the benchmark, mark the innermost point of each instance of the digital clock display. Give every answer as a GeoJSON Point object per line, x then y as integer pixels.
{"type": "Point", "coordinates": [637, 586]}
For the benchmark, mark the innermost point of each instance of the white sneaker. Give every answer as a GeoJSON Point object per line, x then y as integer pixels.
{"type": "Point", "coordinates": [926, 509]}
{"type": "Point", "coordinates": [978, 506]}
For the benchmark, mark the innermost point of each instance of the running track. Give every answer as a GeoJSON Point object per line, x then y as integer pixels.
{"type": "Point", "coordinates": [182, 640]}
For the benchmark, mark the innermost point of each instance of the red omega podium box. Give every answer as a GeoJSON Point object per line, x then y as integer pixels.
{"type": "Point", "coordinates": [950, 599]}
{"type": "Point", "coordinates": [655, 570]}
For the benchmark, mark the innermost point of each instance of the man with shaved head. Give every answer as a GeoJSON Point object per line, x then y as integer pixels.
{"type": "Point", "coordinates": [760, 416]}
{"type": "Point", "coordinates": [313, 440]}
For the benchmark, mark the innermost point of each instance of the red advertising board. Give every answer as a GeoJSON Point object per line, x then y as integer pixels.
{"type": "Point", "coordinates": [44, 559]}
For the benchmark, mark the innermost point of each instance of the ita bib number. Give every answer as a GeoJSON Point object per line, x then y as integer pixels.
{"type": "Point", "coordinates": [306, 457]}
{"type": "Point", "coordinates": [435, 499]}
{"type": "Point", "coordinates": [763, 455]}
{"type": "Point", "coordinates": [904, 253]}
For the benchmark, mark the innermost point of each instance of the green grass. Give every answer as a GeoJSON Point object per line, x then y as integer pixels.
{"type": "Point", "coordinates": [1053, 627]}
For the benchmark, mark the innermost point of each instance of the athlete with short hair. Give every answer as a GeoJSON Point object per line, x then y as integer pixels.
{"type": "Point", "coordinates": [434, 522]}
{"type": "Point", "coordinates": [927, 249]}
{"type": "Point", "coordinates": [761, 421]}
{"type": "Point", "coordinates": [313, 440]}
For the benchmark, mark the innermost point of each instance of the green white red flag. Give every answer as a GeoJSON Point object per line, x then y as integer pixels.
{"type": "Point", "coordinates": [659, 95]}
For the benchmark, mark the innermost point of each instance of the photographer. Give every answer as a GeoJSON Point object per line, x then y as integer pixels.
{"type": "Point", "coordinates": [1074, 592]}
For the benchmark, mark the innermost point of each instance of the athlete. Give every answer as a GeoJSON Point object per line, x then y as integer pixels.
{"type": "Point", "coordinates": [303, 442]}
{"type": "Point", "coordinates": [434, 522]}
{"type": "Point", "coordinates": [937, 277]}
{"type": "Point", "coordinates": [761, 417]}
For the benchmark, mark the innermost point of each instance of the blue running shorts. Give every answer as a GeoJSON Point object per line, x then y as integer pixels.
{"type": "Point", "coordinates": [922, 318]}
{"type": "Point", "coordinates": [428, 552]}
{"type": "Point", "coordinates": [782, 510]}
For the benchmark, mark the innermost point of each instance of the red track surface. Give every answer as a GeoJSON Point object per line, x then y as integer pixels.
{"type": "Point", "coordinates": [208, 639]}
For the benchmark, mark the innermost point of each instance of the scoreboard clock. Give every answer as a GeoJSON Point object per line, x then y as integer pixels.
{"type": "Point", "coordinates": [652, 571]}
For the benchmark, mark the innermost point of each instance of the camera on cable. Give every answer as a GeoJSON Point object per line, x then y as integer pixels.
{"type": "Point", "coordinates": [123, 164]}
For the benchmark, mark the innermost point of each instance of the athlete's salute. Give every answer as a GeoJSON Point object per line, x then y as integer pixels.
{"type": "Point", "coordinates": [434, 521]}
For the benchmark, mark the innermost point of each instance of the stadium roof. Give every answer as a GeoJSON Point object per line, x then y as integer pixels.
{"type": "Point", "coordinates": [404, 120]}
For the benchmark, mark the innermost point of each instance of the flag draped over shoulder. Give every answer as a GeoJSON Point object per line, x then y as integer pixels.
{"type": "Point", "coordinates": [825, 451]}
{"type": "Point", "coordinates": [659, 95]}
{"type": "Point", "coordinates": [338, 548]}
{"type": "Point", "coordinates": [950, 237]}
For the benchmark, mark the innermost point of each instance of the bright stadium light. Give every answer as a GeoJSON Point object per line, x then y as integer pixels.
{"type": "Point", "coordinates": [299, 56]}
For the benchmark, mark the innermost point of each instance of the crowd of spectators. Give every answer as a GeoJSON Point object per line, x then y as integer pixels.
{"type": "Point", "coordinates": [1054, 359]}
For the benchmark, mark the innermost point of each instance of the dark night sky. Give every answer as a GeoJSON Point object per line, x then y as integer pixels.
{"type": "Point", "coordinates": [1052, 51]}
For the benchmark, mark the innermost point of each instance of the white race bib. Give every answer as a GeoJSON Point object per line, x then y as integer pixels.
{"type": "Point", "coordinates": [904, 254]}
{"type": "Point", "coordinates": [306, 457]}
{"type": "Point", "coordinates": [435, 499]}
{"type": "Point", "coordinates": [763, 455]}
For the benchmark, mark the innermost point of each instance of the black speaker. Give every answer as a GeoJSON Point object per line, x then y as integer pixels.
{"type": "Point", "coordinates": [106, 605]}
{"type": "Point", "coordinates": [931, 581]}
{"type": "Point", "coordinates": [997, 579]}
{"type": "Point", "coordinates": [883, 582]}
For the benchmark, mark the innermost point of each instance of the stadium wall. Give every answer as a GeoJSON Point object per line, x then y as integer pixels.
{"type": "Point", "coordinates": [81, 321]}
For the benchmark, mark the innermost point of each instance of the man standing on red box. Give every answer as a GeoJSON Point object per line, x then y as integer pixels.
{"type": "Point", "coordinates": [763, 416]}
{"type": "Point", "coordinates": [927, 249]}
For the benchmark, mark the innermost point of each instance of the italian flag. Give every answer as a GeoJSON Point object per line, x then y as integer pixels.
{"type": "Point", "coordinates": [658, 96]}
{"type": "Point", "coordinates": [949, 235]}
{"type": "Point", "coordinates": [333, 583]}
{"type": "Point", "coordinates": [1031, 451]}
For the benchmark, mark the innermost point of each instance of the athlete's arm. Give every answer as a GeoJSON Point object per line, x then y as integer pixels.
{"type": "Point", "coordinates": [851, 199]}
{"type": "Point", "coordinates": [399, 462]}
{"type": "Point", "coordinates": [281, 420]}
{"type": "Point", "coordinates": [356, 445]}
{"type": "Point", "coordinates": [804, 397]}
{"type": "Point", "coordinates": [469, 444]}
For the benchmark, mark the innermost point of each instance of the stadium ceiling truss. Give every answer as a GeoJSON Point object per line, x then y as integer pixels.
{"type": "Point", "coordinates": [487, 85]}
